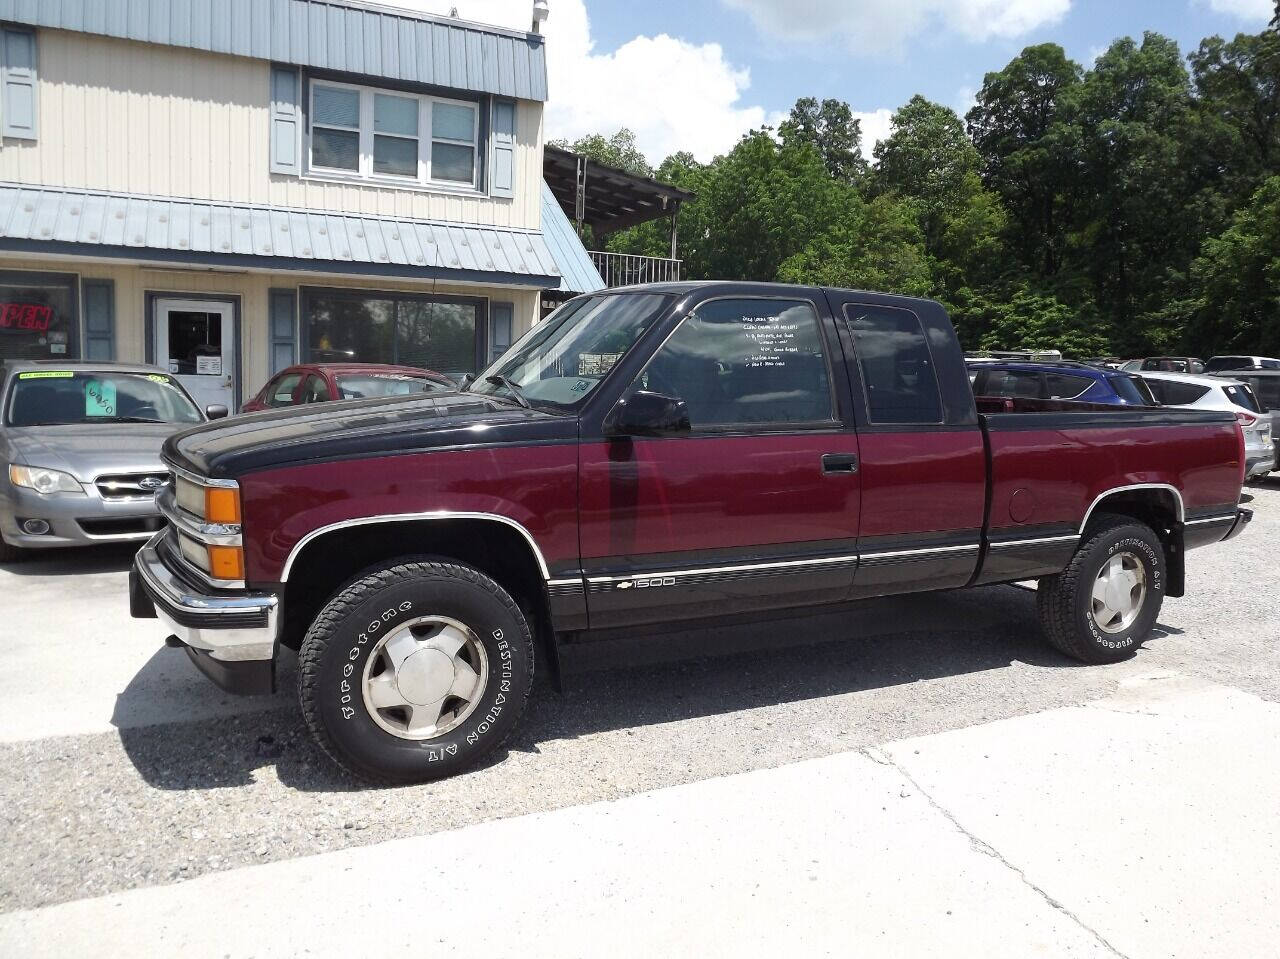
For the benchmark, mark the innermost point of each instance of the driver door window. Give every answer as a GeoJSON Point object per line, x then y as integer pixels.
{"type": "Point", "coordinates": [746, 362]}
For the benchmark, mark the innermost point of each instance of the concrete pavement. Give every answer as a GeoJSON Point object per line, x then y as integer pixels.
{"type": "Point", "coordinates": [1141, 825]}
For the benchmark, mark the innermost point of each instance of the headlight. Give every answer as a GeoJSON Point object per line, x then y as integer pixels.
{"type": "Point", "coordinates": [44, 481]}
{"type": "Point", "coordinates": [213, 504]}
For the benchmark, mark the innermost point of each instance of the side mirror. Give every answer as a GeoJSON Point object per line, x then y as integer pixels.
{"type": "Point", "coordinates": [643, 413]}
{"type": "Point", "coordinates": [215, 412]}
{"type": "Point", "coordinates": [466, 381]}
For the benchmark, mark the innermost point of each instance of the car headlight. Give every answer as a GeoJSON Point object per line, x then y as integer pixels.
{"type": "Point", "coordinates": [44, 481]}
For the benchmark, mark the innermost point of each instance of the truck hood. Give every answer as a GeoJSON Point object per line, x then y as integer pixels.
{"type": "Point", "coordinates": [88, 451]}
{"type": "Point", "coordinates": [355, 429]}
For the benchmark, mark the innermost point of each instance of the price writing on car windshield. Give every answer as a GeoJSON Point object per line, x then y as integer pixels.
{"type": "Point", "coordinates": [26, 317]}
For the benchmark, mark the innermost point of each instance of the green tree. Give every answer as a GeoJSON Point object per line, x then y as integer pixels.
{"type": "Point", "coordinates": [874, 246]}
{"type": "Point", "coordinates": [1136, 233]}
{"type": "Point", "coordinates": [1238, 88]}
{"type": "Point", "coordinates": [1028, 152]}
{"type": "Point", "coordinates": [1019, 317]}
{"type": "Point", "coordinates": [830, 127]}
{"type": "Point", "coordinates": [619, 151]}
{"type": "Point", "coordinates": [929, 159]}
{"type": "Point", "coordinates": [757, 206]}
{"type": "Point", "coordinates": [1236, 301]}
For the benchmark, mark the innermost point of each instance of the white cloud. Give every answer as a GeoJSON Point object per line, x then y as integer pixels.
{"type": "Point", "coordinates": [1243, 9]}
{"type": "Point", "coordinates": [888, 24]}
{"type": "Point", "coordinates": [876, 126]}
{"type": "Point", "coordinates": [674, 94]}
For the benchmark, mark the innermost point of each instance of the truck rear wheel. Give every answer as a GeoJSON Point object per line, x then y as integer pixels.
{"type": "Point", "coordinates": [1104, 604]}
{"type": "Point", "coordinates": [415, 672]}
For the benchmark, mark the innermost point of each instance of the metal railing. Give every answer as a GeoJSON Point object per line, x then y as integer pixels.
{"type": "Point", "coordinates": [626, 269]}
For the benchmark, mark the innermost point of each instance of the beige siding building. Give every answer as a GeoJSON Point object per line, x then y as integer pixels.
{"type": "Point", "coordinates": [225, 189]}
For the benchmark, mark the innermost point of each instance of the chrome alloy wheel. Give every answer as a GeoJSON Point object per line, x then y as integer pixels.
{"type": "Point", "coordinates": [425, 678]}
{"type": "Point", "coordinates": [1119, 593]}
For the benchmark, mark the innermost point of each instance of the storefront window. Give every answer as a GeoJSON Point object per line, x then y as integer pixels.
{"type": "Point", "coordinates": [38, 319]}
{"type": "Point", "coordinates": [431, 333]}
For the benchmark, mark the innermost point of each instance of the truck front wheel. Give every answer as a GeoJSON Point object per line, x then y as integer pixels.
{"type": "Point", "coordinates": [415, 672]}
{"type": "Point", "coordinates": [1104, 604]}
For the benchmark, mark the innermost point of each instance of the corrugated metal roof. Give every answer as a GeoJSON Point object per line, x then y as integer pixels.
{"type": "Point", "coordinates": [326, 34]}
{"type": "Point", "coordinates": [144, 227]}
{"type": "Point", "coordinates": [577, 273]}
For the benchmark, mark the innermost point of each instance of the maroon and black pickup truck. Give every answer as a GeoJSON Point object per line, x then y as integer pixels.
{"type": "Point", "coordinates": [652, 456]}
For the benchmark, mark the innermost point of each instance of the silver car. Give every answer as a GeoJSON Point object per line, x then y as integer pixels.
{"type": "Point", "coordinates": [1230, 395]}
{"type": "Point", "coordinates": [80, 452]}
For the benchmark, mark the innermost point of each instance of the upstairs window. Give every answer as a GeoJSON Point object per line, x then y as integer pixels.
{"type": "Point", "coordinates": [394, 137]}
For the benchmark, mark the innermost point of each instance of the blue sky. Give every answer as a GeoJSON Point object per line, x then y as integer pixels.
{"type": "Point", "coordinates": [697, 74]}
{"type": "Point", "coordinates": [939, 63]}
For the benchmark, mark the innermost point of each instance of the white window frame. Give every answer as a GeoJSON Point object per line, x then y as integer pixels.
{"type": "Point", "coordinates": [365, 173]}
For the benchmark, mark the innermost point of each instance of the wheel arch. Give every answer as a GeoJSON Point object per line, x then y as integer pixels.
{"type": "Point", "coordinates": [1159, 506]}
{"type": "Point", "coordinates": [501, 548]}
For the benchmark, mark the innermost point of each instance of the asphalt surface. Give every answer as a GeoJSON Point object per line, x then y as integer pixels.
{"type": "Point", "coordinates": [126, 769]}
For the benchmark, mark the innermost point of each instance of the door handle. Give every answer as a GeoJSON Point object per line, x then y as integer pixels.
{"type": "Point", "coordinates": [840, 463]}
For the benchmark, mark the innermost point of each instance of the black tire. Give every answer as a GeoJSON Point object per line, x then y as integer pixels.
{"type": "Point", "coordinates": [337, 647]}
{"type": "Point", "coordinates": [12, 554]}
{"type": "Point", "coordinates": [1065, 601]}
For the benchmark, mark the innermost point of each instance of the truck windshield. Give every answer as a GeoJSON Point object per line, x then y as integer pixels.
{"type": "Point", "coordinates": [561, 360]}
{"type": "Point", "coordinates": [66, 397]}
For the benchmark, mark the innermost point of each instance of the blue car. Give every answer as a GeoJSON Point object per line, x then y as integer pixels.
{"type": "Point", "coordinates": [1061, 381]}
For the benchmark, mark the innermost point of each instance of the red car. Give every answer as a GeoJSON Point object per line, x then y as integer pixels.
{"type": "Point", "coordinates": [322, 382]}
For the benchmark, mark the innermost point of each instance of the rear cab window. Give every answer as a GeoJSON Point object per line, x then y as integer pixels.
{"type": "Point", "coordinates": [899, 381]}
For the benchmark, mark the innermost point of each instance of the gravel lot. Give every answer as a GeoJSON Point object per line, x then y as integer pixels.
{"type": "Point", "coordinates": [127, 769]}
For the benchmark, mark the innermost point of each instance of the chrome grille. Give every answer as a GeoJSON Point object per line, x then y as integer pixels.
{"type": "Point", "coordinates": [131, 485]}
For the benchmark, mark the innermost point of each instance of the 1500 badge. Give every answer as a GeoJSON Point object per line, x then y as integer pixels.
{"type": "Point", "coordinates": [648, 583]}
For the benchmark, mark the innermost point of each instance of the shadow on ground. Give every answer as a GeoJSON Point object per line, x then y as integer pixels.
{"type": "Point", "coordinates": [638, 682]}
{"type": "Point", "coordinates": [74, 561]}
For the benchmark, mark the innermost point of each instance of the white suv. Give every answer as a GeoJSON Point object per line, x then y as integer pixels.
{"type": "Point", "coordinates": [1216, 393]}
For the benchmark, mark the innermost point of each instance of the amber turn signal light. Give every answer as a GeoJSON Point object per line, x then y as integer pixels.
{"type": "Point", "coordinates": [226, 562]}
{"type": "Point", "coordinates": [222, 506]}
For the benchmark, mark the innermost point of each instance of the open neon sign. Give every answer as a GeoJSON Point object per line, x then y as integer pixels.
{"type": "Point", "coordinates": [26, 317]}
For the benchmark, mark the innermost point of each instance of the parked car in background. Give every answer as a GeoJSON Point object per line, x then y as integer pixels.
{"type": "Point", "coordinates": [1080, 382]}
{"type": "Point", "coordinates": [1223, 364]}
{"type": "Point", "coordinates": [1266, 387]}
{"type": "Point", "coordinates": [1131, 366]}
{"type": "Point", "coordinates": [80, 452]}
{"type": "Point", "coordinates": [1220, 393]}
{"type": "Point", "coordinates": [323, 382]}
{"type": "Point", "coordinates": [1173, 364]}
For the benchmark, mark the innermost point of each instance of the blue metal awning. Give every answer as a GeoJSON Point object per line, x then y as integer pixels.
{"type": "Point", "coordinates": [175, 231]}
{"type": "Point", "coordinates": [577, 273]}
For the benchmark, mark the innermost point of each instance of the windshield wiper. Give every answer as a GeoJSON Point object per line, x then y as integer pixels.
{"type": "Point", "coordinates": [499, 380]}
{"type": "Point", "coordinates": [120, 419]}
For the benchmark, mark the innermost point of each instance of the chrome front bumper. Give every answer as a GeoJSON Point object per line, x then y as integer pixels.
{"type": "Point", "coordinates": [227, 627]}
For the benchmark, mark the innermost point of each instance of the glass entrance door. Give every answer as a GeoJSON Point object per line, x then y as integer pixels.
{"type": "Point", "coordinates": [195, 342]}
